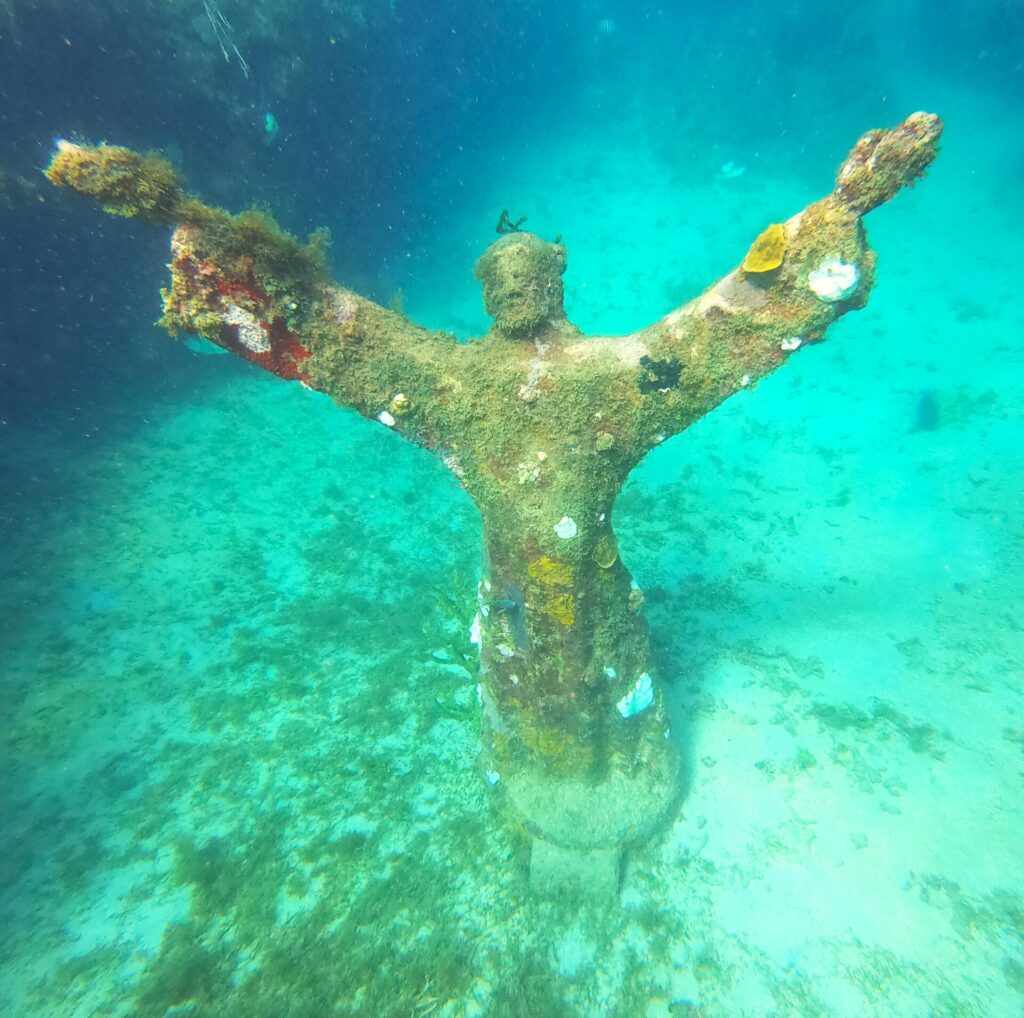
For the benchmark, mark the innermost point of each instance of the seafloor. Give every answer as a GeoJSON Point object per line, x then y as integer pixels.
{"type": "Point", "coordinates": [240, 729]}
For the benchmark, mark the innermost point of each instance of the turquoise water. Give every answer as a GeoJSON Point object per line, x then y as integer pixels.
{"type": "Point", "coordinates": [241, 728]}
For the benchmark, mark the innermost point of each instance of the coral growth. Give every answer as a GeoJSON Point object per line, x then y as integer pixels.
{"type": "Point", "coordinates": [554, 582]}
{"type": "Point", "coordinates": [767, 252]}
{"type": "Point", "coordinates": [251, 333]}
{"type": "Point", "coordinates": [550, 573]}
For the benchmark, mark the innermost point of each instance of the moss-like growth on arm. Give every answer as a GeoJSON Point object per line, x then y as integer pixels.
{"type": "Point", "coordinates": [146, 186]}
{"type": "Point", "coordinates": [126, 183]}
{"type": "Point", "coordinates": [884, 161]}
{"type": "Point", "coordinates": [243, 283]}
{"type": "Point", "coordinates": [252, 243]}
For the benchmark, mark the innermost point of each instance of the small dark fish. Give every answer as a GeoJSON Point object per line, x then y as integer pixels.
{"type": "Point", "coordinates": [513, 608]}
{"type": "Point", "coordinates": [926, 415]}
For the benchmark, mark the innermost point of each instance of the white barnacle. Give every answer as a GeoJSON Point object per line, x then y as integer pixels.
{"type": "Point", "coordinates": [791, 343]}
{"type": "Point", "coordinates": [386, 419]}
{"type": "Point", "coordinates": [527, 472]}
{"type": "Point", "coordinates": [536, 372]}
{"type": "Point", "coordinates": [251, 333]}
{"type": "Point", "coordinates": [342, 306]}
{"type": "Point", "coordinates": [834, 280]}
{"type": "Point", "coordinates": [451, 461]}
{"type": "Point", "coordinates": [566, 528]}
{"type": "Point", "coordinates": [638, 699]}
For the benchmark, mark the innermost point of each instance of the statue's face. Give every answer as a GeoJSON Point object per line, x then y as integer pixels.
{"type": "Point", "coordinates": [522, 280]}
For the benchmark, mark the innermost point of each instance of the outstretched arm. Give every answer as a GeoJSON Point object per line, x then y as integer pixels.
{"type": "Point", "coordinates": [796, 280]}
{"type": "Point", "coordinates": [242, 283]}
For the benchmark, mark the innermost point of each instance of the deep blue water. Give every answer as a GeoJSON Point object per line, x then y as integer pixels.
{"type": "Point", "coordinates": [240, 722]}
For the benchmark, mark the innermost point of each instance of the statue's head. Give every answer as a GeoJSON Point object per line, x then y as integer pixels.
{"type": "Point", "coordinates": [522, 280]}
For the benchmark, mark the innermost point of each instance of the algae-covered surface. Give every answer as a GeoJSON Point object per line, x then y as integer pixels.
{"type": "Point", "coordinates": [240, 754]}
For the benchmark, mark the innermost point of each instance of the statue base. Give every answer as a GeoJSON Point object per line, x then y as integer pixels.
{"type": "Point", "coordinates": [581, 827]}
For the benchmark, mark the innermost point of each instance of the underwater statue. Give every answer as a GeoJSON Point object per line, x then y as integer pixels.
{"type": "Point", "coordinates": [541, 425]}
